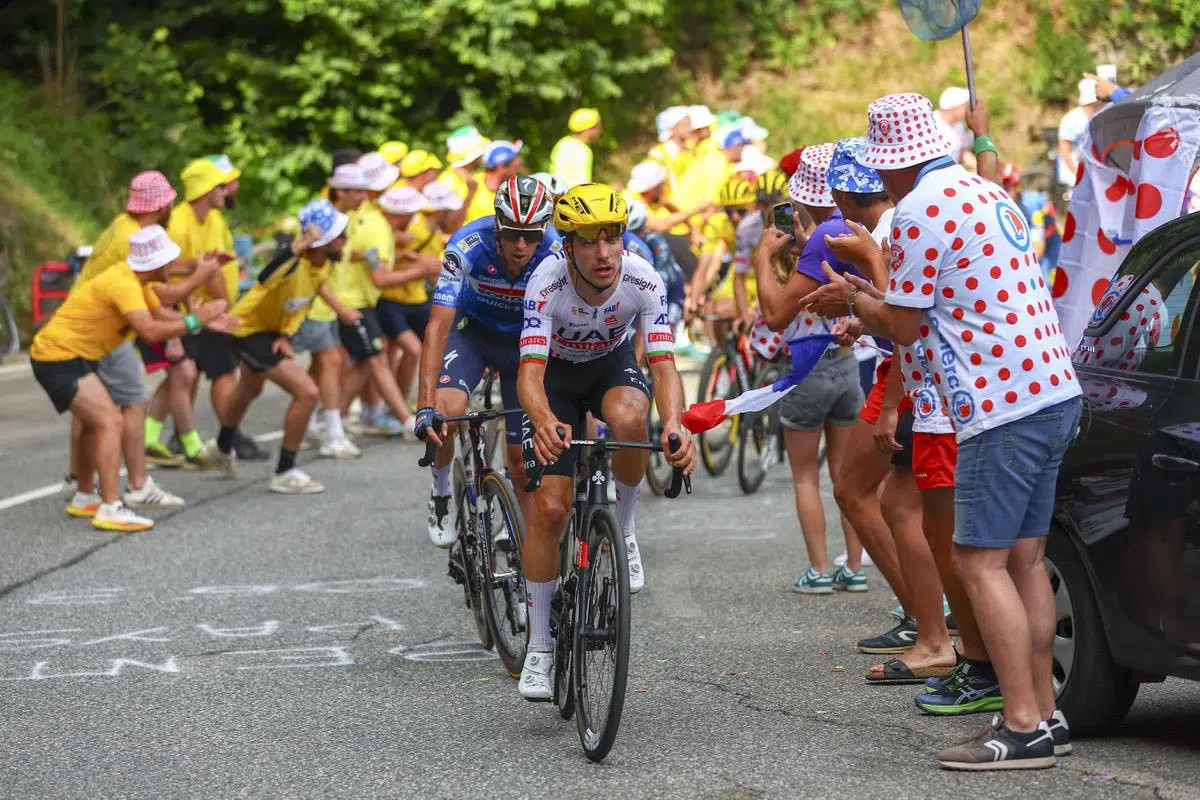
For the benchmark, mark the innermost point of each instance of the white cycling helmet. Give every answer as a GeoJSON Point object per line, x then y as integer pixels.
{"type": "Point", "coordinates": [523, 202]}
{"type": "Point", "coordinates": [637, 215]}
{"type": "Point", "coordinates": [555, 184]}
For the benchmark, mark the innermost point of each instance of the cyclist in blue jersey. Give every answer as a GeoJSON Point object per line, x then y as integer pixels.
{"type": "Point", "coordinates": [660, 256]}
{"type": "Point", "coordinates": [636, 245]}
{"type": "Point", "coordinates": [476, 320]}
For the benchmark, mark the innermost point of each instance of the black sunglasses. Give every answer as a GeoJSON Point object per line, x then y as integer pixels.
{"type": "Point", "coordinates": [530, 235]}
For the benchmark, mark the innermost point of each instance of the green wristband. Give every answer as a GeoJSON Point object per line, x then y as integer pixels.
{"type": "Point", "coordinates": [191, 322]}
{"type": "Point", "coordinates": [984, 144]}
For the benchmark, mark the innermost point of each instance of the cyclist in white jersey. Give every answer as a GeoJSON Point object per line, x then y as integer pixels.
{"type": "Point", "coordinates": [577, 356]}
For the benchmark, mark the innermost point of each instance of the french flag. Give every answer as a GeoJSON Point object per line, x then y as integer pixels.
{"type": "Point", "coordinates": [806, 352]}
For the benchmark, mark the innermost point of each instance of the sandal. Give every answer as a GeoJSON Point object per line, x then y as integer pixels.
{"type": "Point", "coordinates": [896, 673]}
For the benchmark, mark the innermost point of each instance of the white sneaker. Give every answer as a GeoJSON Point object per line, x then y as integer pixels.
{"type": "Point", "coordinates": [226, 463]}
{"type": "Point", "coordinates": [84, 506]}
{"type": "Point", "coordinates": [637, 577]}
{"type": "Point", "coordinates": [295, 481]}
{"type": "Point", "coordinates": [151, 495]}
{"type": "Point", "coordinates": [841, 560]}
{"type": "Point", "coordinates": [443, 521]}
{"type": "Point", "coordinates": [536, 683]}
{"type": "Point", "coordinates": [339, 448]}
{"type": "Point", "coordinates": [117, 517]}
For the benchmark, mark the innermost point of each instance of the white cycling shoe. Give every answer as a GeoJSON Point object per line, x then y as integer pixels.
{"type": "Point", "coordinates": [443, 521]}
{"type": "Point", "coordinates": [633, 556]}
{"type": "Point", "coordinates": [537, 682]}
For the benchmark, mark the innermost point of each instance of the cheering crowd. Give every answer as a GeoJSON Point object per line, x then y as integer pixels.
{"type": "Point", "coordinates": [943, 456]}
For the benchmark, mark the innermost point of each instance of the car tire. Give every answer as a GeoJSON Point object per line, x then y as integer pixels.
{"type": "Point", "coordinates": [1094, 692]}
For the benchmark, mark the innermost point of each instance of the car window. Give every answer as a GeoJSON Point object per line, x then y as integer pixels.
{"type": "Point", "coordinates": [1152, 311]}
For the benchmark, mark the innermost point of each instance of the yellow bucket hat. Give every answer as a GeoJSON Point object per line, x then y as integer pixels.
{"type": "Point", "coordinates": [583, 118]}
{"type": "Point", "coordinates": [417, 161]}
{"type": "Point", "coordinates": [200, 177]}
{"type": "Point", "coordinates": [393, 151]}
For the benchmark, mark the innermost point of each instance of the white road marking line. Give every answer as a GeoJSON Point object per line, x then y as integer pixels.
{"type": "Point", "coordinates": [54, 488]}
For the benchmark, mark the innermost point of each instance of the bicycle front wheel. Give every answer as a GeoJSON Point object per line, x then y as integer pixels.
{"type": "Point", "coordinates": [470, 558]}
{"type": "Point", "coordinates": [600, 661]}
{"type": "Point", "coordinates": [758, 448]}
{"type": "Point", "coordinates": [717, 380]}
{"type": "Point", "coordinates": [658, 469]}
{"type": "Point", "coordinates": [504, 588]}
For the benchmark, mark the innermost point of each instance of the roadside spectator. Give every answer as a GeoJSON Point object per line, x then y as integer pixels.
{"type": "Point", "coordinates": [501, 161]}
{"type": "Point", "coordinates": [966, 287]}
{"type": "Point", "coordinates": [951, 117]}
{"type": "Point", "coordinates": [1039, 213]}
{"type": "Point", "coordinates": [1071, 130]}
{"type": "Point", "coordinates": [571, 158]}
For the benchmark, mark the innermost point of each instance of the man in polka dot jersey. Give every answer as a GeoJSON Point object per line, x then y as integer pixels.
{"type": "Point", "coordinates": [965, 287]}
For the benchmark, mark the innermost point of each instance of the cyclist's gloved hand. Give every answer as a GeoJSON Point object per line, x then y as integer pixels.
{"type": "Point", "coordinates": [424, 424]}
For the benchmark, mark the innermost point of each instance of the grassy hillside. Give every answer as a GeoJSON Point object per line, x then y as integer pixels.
{"type": "Point", "coordinates": [822, 95]}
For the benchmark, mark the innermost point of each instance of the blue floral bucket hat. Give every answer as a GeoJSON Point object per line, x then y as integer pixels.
{"type": "Point", "coordinates": [846, 174]}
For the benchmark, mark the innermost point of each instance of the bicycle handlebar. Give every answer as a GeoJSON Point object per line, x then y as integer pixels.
{"type": "Point", "coordinates": [678, 479]}
{"type": "Point", "coordinates": [430, 448]}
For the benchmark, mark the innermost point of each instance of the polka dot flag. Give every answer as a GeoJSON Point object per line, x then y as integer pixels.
{"type": "Point", "coordinates": [1110, 211]}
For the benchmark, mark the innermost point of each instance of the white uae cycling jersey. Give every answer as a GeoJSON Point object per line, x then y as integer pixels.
{"type": "Point", "coordinates": [559, 323]}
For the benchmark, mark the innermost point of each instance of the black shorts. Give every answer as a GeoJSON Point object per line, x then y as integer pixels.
{"type": "Point", "coordinates": [154, 355]}
{"type": "Point", "coordinates": [60, 379]}
{"type": "Point", "coordinates": [212, 352]}
{"type": "Point", "coordinates": [255, 351]}
{"type": "Point", "coordinates": [576, 388]}
{"type": "Point", "coordinates": [396, 318]}
{"type": "Point", "coordinates": [363, 339]}
{"type": "Point", "coordinates": [681, 248]}
{"type": "Point", "coordinates": [904, 436]}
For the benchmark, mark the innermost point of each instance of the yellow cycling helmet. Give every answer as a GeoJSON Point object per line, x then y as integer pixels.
{"type": "Point", "coordinates": [590, 206]}
{"type": "Point", "coordinates": [735, 193]}
{"type": "Point", "coordinates": [771, 187]}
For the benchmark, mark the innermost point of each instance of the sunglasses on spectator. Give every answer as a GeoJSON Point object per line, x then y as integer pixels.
{"type": "Point", "coordinates": [530, 235]}
{"type": "Point", "coordinates": [738, 212]}
{"type": "Point", "coordinates": [590, 233]}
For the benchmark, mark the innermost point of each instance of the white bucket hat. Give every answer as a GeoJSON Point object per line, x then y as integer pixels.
{"type": "Point", "coordinates": [902, 131]}
{"type": "Point", "coordinates": [403, 200]}
{"type": "Point", "coordinates": [380, 172]}
{"type": "Point", "coordinates": [646, 176]}
{"type": "Point", "coordinates": [953, 97]}
{"type": "Point", "coordinates": [807, 184]}
{"type": "Point", "coordinates": [348, 176]}
{"type": "Point", "coordinates": [151, 248]}
{"type": "Point", "coordinates": [700, 117]}
{"type": "Point", "coordinates": [442, 198]}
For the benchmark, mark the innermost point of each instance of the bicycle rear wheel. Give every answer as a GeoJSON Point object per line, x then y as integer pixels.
{"type": "Point", "coordinates": [717, 380]}
{"type": "Point", "coordinates": [758, 449]}
{"type": "Point", "coordinates": [563, 622]}
{"type": "Point", "coordinates": [658, 469]}
{"type": "Point", "coordinates": [504, 583]}
{"type": "Point", "coordinates": [600, 661]}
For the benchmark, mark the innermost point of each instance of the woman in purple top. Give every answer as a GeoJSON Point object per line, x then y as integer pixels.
{"type": "Point", "coordinates": [828, 400]}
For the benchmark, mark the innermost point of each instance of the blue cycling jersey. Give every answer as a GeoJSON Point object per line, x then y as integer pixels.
{"type": "Point", "coordinates": [666, 266]}
{"type": "Point", "coordinates": [474, 281]}
{"type": "Point", "coordinates": [634, 244]}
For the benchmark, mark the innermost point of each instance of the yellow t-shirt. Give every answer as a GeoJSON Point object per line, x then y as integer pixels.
{"type": "Point", "coordinates": [111, 248]}
{"type": "Point", "coordinates": [367, 233]}
{"type": "Point", "coordinates": [704, 178]}
{"type": "Point", "coordinates": [91, 323]}
{"type": "Point", "coordinates": [571, 161]}
{"type": "Point", "coordinates": [659, 210]}
{"type": "Point", "coordinates": [196, 239]}
{"type": "Point", "coordinates": [483, 204]}
{"type": "Point", "coordinates": [450, 177]}
{"type": "Point", "coordinates": [675, 158]}
{"type": "Point", "coordinates": [280, 305]}
{"type": "Point", "coordinates": [720, 228]}
{"type": "Point", "coordinates": [426, 242]}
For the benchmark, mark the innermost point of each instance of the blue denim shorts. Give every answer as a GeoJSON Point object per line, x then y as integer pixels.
{"type": "Point", "coordinates": [1005, 478]}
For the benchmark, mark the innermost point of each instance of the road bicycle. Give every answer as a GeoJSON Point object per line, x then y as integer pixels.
{"type": "Point", "coordinates": [760, 434]}
{"type": "Point", "coordinates": [589, 610]}
{"type": "Point", "coordinates": [658, 469]}
{"type": "Point", "coordinates": [485, 559]}
{"type": "Point", "coordinates": [725, 374]}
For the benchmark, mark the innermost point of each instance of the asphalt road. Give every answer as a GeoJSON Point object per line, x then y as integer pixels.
{"type": "Point", "coordinates": [261, 645]}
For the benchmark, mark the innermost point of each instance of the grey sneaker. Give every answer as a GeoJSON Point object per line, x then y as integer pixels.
{"type": "Point", "coordinates": [1002, 749]}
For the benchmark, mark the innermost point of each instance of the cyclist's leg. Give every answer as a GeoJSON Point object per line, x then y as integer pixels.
{"type": "Point", "coordinates": [462, 368]}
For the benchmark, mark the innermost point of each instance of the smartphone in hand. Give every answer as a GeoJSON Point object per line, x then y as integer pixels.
{"type": "Point", "coordinates": [781, 218]}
